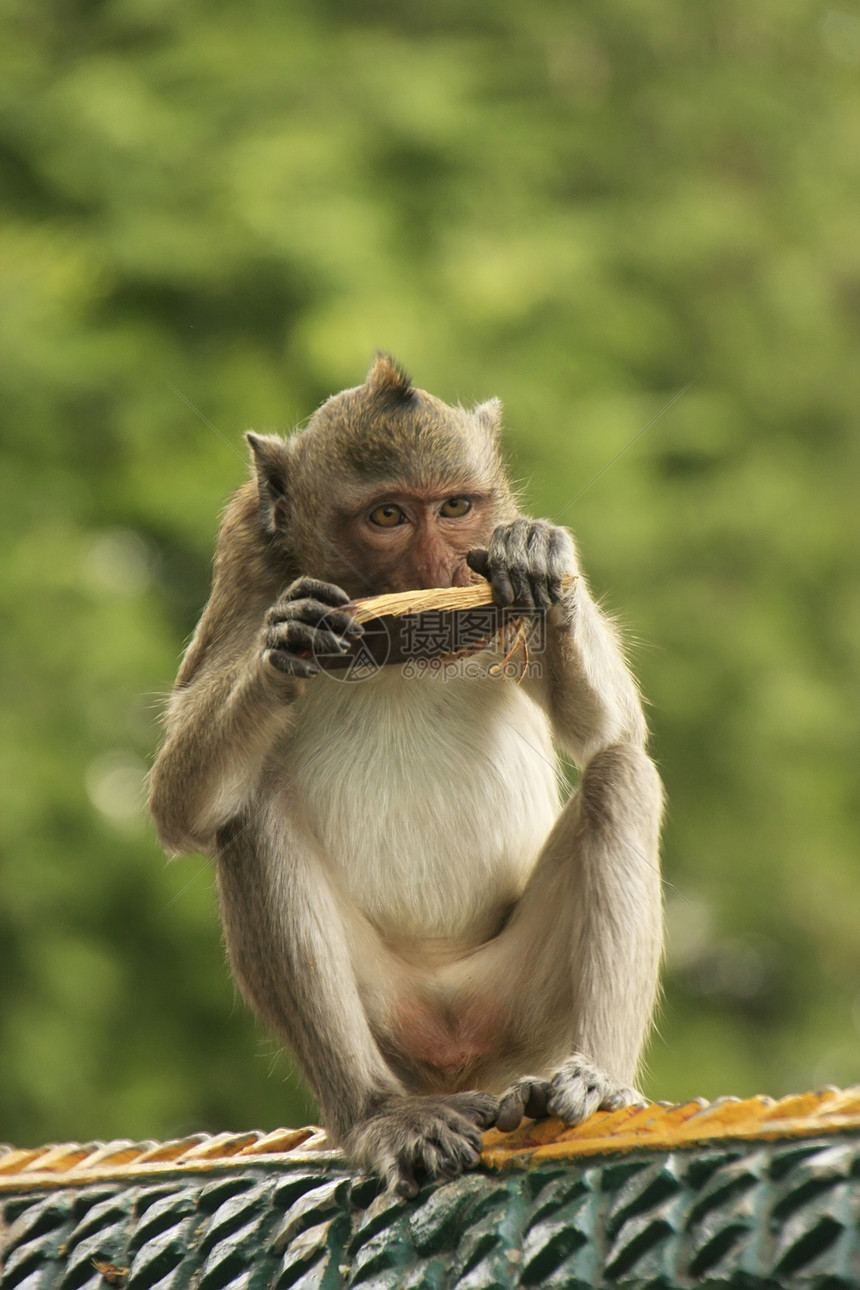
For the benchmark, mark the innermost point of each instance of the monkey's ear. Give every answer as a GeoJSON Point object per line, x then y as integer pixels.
{"type": "Point", "coordinates": [270, 462]}
{"type": "Point", "coordinates": [489, 417]}
{"type": "Point", "coordinates": [387, 378]}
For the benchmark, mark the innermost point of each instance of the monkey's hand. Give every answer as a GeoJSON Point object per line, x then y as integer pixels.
{"type": "Point", "coordinates": [574, 1093]}
{"type": "Point", "coordinates": [306, 620]}
{"type": "Point", "coordinates": [525, 563]}
{"type": "Point", "coordinates": [408, 1140]}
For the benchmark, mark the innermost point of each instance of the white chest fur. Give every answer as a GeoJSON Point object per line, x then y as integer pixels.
{"type": "Point", "coordinates": [431, 798]}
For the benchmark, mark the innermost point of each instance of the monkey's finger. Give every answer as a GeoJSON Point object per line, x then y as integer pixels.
{"type": "Point", "coordinates": [539, 579]}
{"type": "Point", "coordinates": [511, 1113]}
{"type": "Point", "coordinates": [511, 550]}
{"type": "Point", "coordinates": [468, 1137]}
{"type": "Point", "coordinates": [521, 582]}
{"type": "Point", "coordinates": [290, 664]}
{"type": "Point", "coordinates": [480, 1108]}
{"type": "Point", "coordinates": [621, 1097]}
{"type": "Point", "coordinates": [313, 612]}
{"type": "Point", "coordinates": [528, 1096]}
{"type": "Point", "coordinates": [456, 1156]}
{"type": "Point", "coordinates": [478, 561]}
{"type": "Point", "coordinates": [296, 637]}
{"type": "Point", "coordinates": [575, 1094]}
{"type": "Point", "coordinates": [327, 643]}
{"type": "Point", "coordinates": [503, 589]}
{"type": "Point", "coordinates": [407, 1184]}
{"type": "Point", "coordinates": [317, 614]}
{"type": "Point", "coordinates": [300, 636]}
{"type": "Point", "coordinates": [452, 1147]}
{"type": "Point", "coordinates": [441, 1158]}
{"type": "Point", "coordinates": [431, 1157]}
{"type": "Point", "coordinates": [538, 552]}
{"type": "Point", "coordinates": [340, 623]}
{"type": "Point", "coordinates": [537, 1100]}
{"type": "Point", "coordinates": [314, 589]}
{"type": "Point", "coordinates": [591, 1102]}
{"type": "Point", "coordinates": [509, 564]}
{"type": "Point", "coordinates": [468, 1154]}
{"type": "Point", "coordinates": [498, 561]}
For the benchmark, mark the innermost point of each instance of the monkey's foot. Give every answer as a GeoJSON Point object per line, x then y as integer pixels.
{"type": "Point", "coordinates": [409, 1140]}
{"type": "Point", "coordinates": [576, 1091]}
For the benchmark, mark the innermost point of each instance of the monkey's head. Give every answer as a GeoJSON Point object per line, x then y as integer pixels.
{"type": "Point", "coordinates": [387, 489]}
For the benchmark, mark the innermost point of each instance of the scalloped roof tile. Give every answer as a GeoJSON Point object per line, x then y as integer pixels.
{"type": "Point", "coordinates": [658, 1126]}
{"type": "Point", "coordinates": [749, 1193]}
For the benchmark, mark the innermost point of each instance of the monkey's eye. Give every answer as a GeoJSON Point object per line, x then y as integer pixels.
{"type": "Point", "coordinates": [455, 507]}
{"type": "Point", "coordinates": [387, 517]}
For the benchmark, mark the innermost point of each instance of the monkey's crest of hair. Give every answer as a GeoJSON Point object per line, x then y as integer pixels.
{"type": "Point", "coordinates": [389, 429]}
{"type": "Point", "coordinates": [387, 380]}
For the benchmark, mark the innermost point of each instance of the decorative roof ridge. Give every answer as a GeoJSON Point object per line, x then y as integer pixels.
{"type": "Point", "coordinates": [666, 1126]}
{"type": "Point", "coordinates": [659, 1126]}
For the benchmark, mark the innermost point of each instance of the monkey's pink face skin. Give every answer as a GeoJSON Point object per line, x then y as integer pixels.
{"type": "Point", "coordinates": [408, 541]}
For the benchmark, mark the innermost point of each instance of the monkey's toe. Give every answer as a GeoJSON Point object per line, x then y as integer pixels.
{"type": "Point", "coordinates": [410, 1140]}
{"type": "Point", "coordinates": [480, 1108]}
{"type": "Point", "coordinates": [580, 1088]}
{"type": "Point", "coordinates": [528, 1096]}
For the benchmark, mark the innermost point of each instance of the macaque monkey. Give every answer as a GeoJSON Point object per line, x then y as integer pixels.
{"type": "Point", "coordinates": [442, 942]}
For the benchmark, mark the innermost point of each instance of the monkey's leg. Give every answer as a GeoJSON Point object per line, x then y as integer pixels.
{"type": "Point", "coordinates": [294, 943]}
{"type": "Point", "coordinates": [582, 950]}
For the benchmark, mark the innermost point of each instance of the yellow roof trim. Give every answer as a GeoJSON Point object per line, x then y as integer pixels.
{"type": "Point", "coordinates": [666, 1127]}
{"type": "Point", "coordinates": [658, 1126]}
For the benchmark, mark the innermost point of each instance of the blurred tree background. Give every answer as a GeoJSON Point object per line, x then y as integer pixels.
{"type": "Point", "coordinates": [212, 216]}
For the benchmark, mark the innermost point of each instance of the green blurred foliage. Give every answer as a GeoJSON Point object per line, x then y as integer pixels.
{"type": "Point", "coordinates": [213, 214]}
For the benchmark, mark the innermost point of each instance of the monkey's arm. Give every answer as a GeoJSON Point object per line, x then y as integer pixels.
{"type": "Point", "coordinates": [220, 728]}
{"type": "Point", "coordinates": [233, 700]}
{"type": "Point", "coordinates": [581, 676]}
{"type": "Point", "coordinates": [587, 687]}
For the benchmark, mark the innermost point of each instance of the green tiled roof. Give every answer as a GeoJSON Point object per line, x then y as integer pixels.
{"type": "Point", "coordinates": [739, 1194]}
